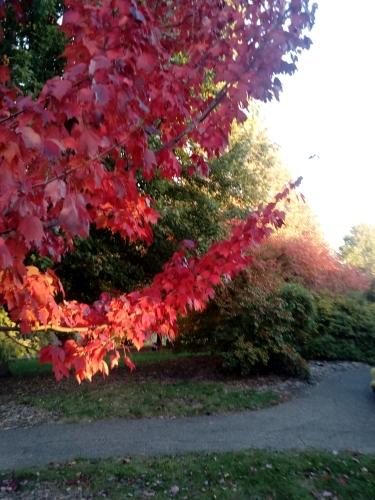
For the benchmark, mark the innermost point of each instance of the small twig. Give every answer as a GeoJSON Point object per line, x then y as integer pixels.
{"type": "Point", "coordinates": [14, 115]}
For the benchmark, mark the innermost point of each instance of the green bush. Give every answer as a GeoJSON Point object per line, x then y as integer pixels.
{"type": "Point", "coordinates": [345, 330]}
{"type": "Point", "coordinates": [6, 347]}
{"type": "Point", "coordinates": [300, 305]}
{"type": "Point", "coordinates": [12, 346]}
{"type": "Point", "coordinates": [254, 329]}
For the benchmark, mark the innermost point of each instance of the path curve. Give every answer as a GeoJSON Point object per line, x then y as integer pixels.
{"type": "Point", "coordinates": [336, 414]}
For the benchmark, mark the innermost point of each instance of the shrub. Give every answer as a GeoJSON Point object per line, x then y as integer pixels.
{"type": "Point", "coordinates": [309, 261]}
{"type": "Point", "coordinates": [11, 346]}
{"type": "Point", "coordinates": [6, 347]}
{"type": "Point", "coordinates": [345, 330]}
{"type": "Point", "coordinates": [253, 328]}
{"type": "Point", "coordinates": [300, 304]}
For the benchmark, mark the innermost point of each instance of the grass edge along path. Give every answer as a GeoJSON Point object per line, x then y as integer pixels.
{"type": "Point", "coordinates": [31, 366]}
{"type": "Point", "coordinates": [135, 400]}
{"type": "Point", "coordinates": [249, 474]}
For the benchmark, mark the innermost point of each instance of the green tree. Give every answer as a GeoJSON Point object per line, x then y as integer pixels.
{"type": "Point", "coordinates": [359, 248]}
{"type": "Point", "coordinates": [31, 43]}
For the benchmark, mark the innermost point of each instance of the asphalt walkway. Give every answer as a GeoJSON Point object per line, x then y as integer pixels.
{"type": "Point", "coordinates": [336, 414]}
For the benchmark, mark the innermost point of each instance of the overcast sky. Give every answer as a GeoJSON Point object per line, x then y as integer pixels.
{"type": "Point", "coordinates": [328, 109]}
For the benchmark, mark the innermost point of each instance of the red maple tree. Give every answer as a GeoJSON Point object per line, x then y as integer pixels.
{"type": "Point", "coordinates": [131, 94]}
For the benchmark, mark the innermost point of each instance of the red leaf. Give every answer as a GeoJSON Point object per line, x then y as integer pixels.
{"type": "Point", "coordinates": [89, 143]}
{"type": "Point", "coordinates": [5, 256]}
{"type": "Point", "coordinates": [129, 363]}
{"type": "Point", "coordinates": [149, 164]}
{"type": "Point", "coordinates": [56, 356]}
{"type": "Point", "coordinates": [114, 359]}
{"type": "Point", "coordinates": [52, 148]}
{"type": "Point", "coordinates": [43, 315]}
{"type": "Point", "coordinates": [31, 229]}
{"type": "Point", "coordinates": [4, 74]}
{"type": "Point", "coordinates": [58, 88]}
{"type": "Point", "coordinates": [72, 17]}
{"type": "Point", "coordinates": [73, 216]}
{"type": "Point", "coordinates": [147, 62]}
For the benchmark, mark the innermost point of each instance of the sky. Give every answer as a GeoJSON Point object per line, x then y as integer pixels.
{"type": "Point", "coordinates": [327, 109]}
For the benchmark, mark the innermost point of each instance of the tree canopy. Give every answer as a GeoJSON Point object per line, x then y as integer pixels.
{"type": "Point", "coordinates": [141, 83]}
{"type": "Point", "coordinates": [359, 248]}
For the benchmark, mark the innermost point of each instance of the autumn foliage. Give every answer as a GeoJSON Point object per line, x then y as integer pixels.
{"type": "Point", "coordinates": [309, 261]}
{"type": "Point", "coordinates": [141, 81]}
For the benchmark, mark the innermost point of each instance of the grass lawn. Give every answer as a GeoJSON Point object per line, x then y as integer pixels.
{"type": "Point", "coordinates": [164, 384]}
{"type": "Point", "coordinates": [150, 399]}
{"type": "Point", "coordinates": [243, 475]}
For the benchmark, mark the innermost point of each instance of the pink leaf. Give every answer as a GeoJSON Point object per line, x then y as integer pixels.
{"type": "Point", "coordinates": [55, 191]}
{"type": "Point", "coordinates": [31, 229]}
{"type": "Point", "coordinates": [31, 139]}
{"type": "Point", "coordinates": [73, 216]}
{"type": "Point", "coordinates": [58, 88]}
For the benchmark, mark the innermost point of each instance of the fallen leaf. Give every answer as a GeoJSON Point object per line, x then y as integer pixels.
{"type": "Point", "coordinates": [174, 489]}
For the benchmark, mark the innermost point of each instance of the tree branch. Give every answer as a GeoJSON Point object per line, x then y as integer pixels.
{"type": "Point", "coordinates": [46, 328]}
{"type": "Point", "coordinates": [199, 119]}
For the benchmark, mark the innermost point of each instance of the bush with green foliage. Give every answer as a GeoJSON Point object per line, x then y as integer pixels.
{"type": "Point", "coordinates": [8, 348]}
{"type": "Point", "coordinates": [345, 330]}
{"type": "Point", "coordinates": [11, 346]}
{"type": "Point", "coordinates": [254, 328]}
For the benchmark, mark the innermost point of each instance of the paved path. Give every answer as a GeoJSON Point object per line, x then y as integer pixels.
{"type": "Point", "coordinates": [336, 414]}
